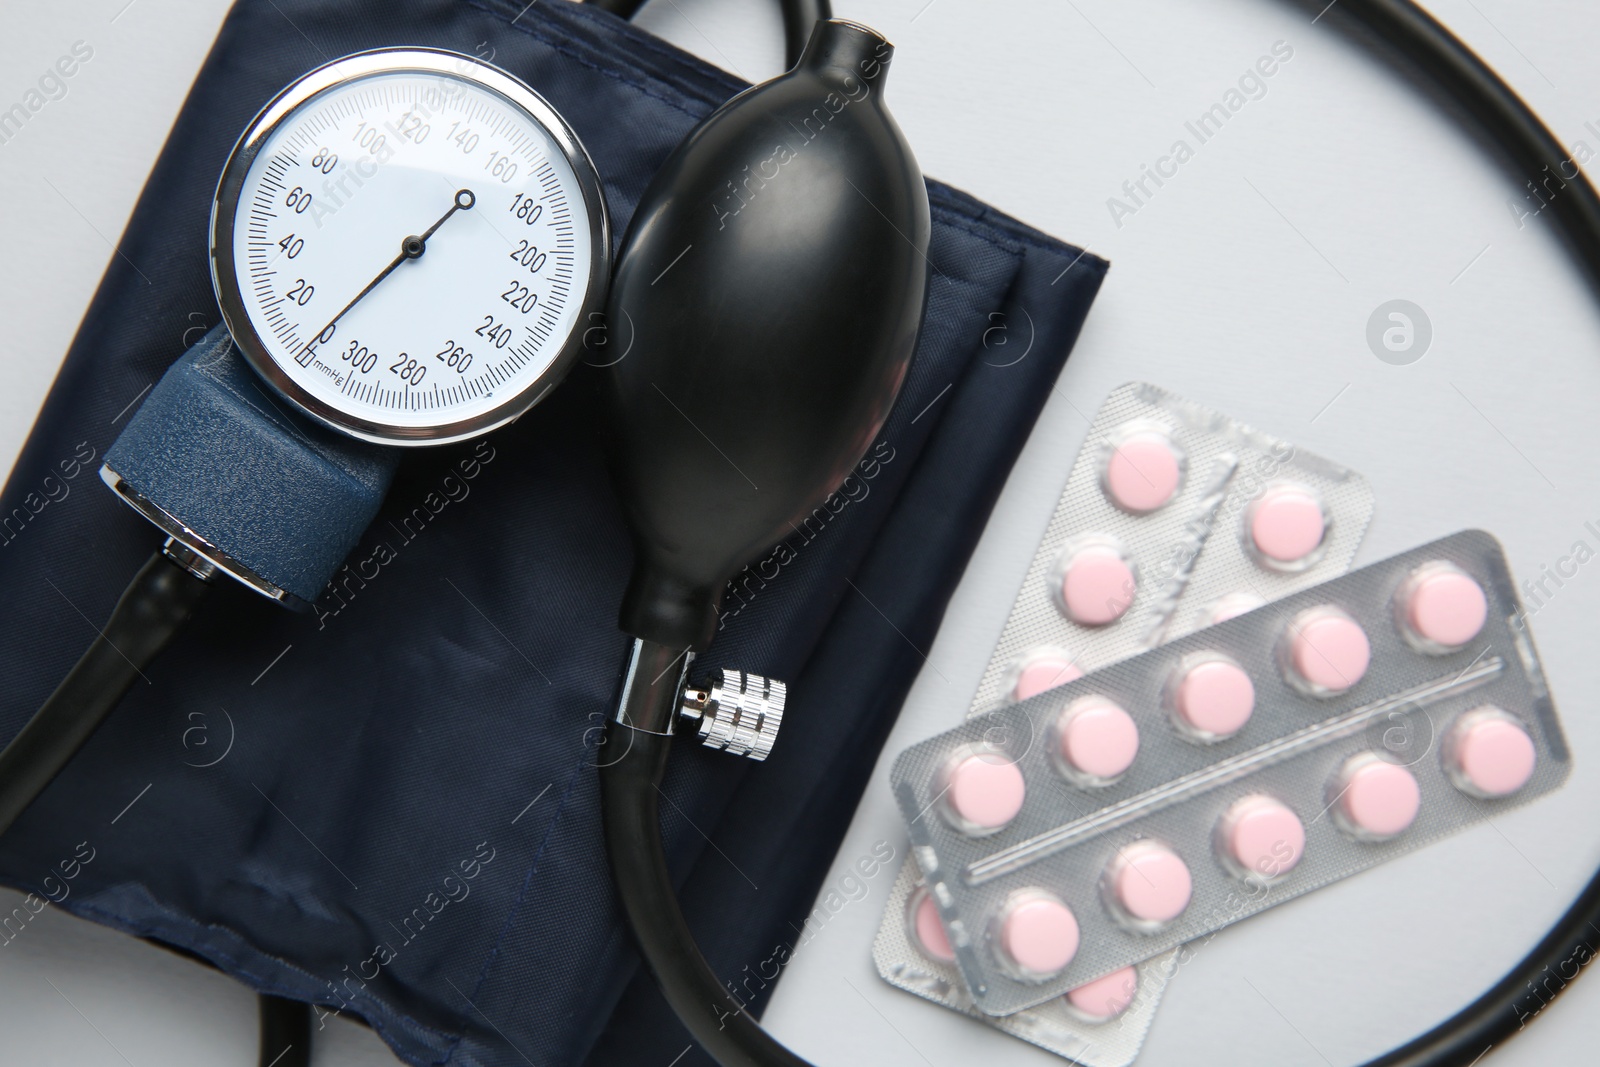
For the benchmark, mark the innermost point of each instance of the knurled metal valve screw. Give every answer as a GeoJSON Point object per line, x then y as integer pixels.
{"type": "Point", "coordinates": [737, 712]}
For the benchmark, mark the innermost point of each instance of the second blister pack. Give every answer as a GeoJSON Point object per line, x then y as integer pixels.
{"type": "Point", "coordinates": [1175, 516]}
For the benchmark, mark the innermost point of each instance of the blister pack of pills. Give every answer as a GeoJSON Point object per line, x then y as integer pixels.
{"type": "Point", "coordinates": [1174, 517]}
{"type": "Point", "coordinates": [1100, 1024]}
{"type": "Point", "coordinates": [1131, 486]}
{"type": "Point", "coordinates": [1376, 713]}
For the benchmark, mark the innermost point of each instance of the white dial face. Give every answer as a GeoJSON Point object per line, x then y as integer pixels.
{"type": "Point", "coordinates": [413, 251]}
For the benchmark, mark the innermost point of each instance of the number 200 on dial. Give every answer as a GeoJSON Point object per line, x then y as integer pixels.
{"type": "Point", "coordinates": [407, 244]}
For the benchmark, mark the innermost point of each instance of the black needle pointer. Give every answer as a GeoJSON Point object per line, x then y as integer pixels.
{"type": "Point", "coordinates": [411, 247]}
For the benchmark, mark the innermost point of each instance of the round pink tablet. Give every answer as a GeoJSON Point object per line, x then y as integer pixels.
{"type": "Point", "coordinates": [1041, 674]}
{"type": "Point", "coordinates": [984, 791]}
{"type": "Point", "coordinates": [1214, 699]}
{"type": "Point", "coordinates": [1260, 838]}
{"type": "Point", "coordinates": [1328, 650]}
{"type": "Point", "coordinates": [1287, 524]}
{"type": "Point", "coordinates": [1108, 997]}
{"type": "Point", "coordinates": [1097, 738]}
{"type": "Point", "coordinates": [930, 935]}
{"type": "Point", "coordinates": [1444, 606]}
{"type": "Point", "coordinates": [1491, 754]}
{"type": "Point", "coordinates": [1148, 883]}
{"type": "Point", "coordinates": [1039, 934]}
{"type": "Point", "coordinates": [1097, 585]}
{"type": "Point", "coordinates": [1376, 799]}
{"type": "Point", "coordinates": [1143, 472]}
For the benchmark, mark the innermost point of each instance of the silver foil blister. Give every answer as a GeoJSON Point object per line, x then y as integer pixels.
{"type": "Point", "coordinates": [1407, 709]}
{"type": "Point", "coordinates": [1112, 1042]}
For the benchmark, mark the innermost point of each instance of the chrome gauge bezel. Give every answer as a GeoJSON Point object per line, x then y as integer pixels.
{"type": "Point", "coordinates": [224, 264]}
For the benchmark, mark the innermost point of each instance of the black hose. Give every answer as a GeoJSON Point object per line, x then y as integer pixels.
{"type": "Point", "coordinates": [629, 792]}
{"type": "Point", "coordinates": [799, 16]}
{"type": "Point", "coordinates": [622, 8]}
{"type": "Point", "coordinates": [149, 614]}
{"type": "Point", "coordinates": [1429, 50]}
{"type": "Point", "coordinates": [152, 609]}
{"type": "Point", "coordinates": [285, 1032]}
{"type": "Point", "coordinates": [1403, 31]}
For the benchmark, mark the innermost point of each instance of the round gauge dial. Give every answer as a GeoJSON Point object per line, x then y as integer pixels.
{"type": "Point", "coordinates": [408, 245]}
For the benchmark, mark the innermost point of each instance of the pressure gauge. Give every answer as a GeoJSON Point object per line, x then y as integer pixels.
{"type": "Point", "coordinates": [407, 244]}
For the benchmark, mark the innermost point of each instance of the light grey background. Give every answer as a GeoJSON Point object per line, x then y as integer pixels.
{"type": "Point", "coordinates": [1245, 283]}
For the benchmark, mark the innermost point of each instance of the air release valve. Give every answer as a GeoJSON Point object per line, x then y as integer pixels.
{"type": "Point", "coordinates": [737, 712]}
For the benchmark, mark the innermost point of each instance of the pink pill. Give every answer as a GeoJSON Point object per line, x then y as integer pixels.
{"type": "Point", "coordinates": [1148, 884]}
{"type": "Point", "coordinates": [1489, 754]}
{"type": "Point", "coordinates": [1214, 699]}
{"type": "Point", "coordinates": [1097, 585]}
{"type": "Point", "coordinates": [1105, 998]}
{"type": "Point", "coordinates": [1097, 738]}
{"type": "Point", "coordinates": [1142, 473]}
{"type": "Point", "coordinates": [929, 931]}
{"type": "Point", "coordinates": [1043, 673]}
{"type": "Point", "coordinates": [1328, 651]}
{"type": "Point", "coordinates": [983, 792]}
{"type": "Point", "coordinates": [1373, 799]}
{"type": "Point", "coordinates": [1039, 935]}
{"type": "Point", "coordinates": [1287, 524]}
{"type": "Point", "coordinates": [1260, 839]}
{"type": "Point", "coordinates": [1442, 606]}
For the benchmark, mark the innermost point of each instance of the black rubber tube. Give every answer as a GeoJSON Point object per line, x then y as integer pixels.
{"type": "Point", "coordinates": [151, 611]}
{"type": "Point", "coordinates": [1427, 50]}
{"type": "Point", "coordinates": [285, 1032]}
{"type": "Point", "coordinates": [1401, 31]}
{"type": "Point", "coordinates": [148, 615]}
{"type": "Point", "coordinates": [630, 808]}
{"type": "Point", "coordinates": [622, 8]}
{"type": "Point", "coordinates": [799, 16]}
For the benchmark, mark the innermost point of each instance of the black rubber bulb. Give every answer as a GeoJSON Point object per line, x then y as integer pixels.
{"type": "Point", "coordinates": [767, 298]}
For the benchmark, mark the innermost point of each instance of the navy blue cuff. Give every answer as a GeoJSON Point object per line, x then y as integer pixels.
{"type": "Point", "coordinates": [388, 805]}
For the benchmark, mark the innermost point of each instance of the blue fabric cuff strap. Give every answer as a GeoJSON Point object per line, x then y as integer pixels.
{"type": "Point", "coordinates": [389, 805]}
